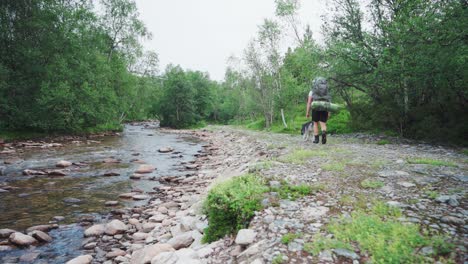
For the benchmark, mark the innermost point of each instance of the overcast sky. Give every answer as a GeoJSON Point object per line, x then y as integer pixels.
{"type": "Point", "coordinates": [202, 34]}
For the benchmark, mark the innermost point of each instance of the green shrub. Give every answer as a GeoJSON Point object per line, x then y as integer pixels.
{"type": "Point", "coordinates": [278, 259]}
{"type": "Point", "coordinates": [339, 123]}
{"type": "Point", "coordinates": [230, 205]}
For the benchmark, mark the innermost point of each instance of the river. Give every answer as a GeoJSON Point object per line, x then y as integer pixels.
{"type": "Point", "coordinates": [35, 200]}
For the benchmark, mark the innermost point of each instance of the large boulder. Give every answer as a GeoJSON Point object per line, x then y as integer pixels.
{"type": "Point", "coordinates": [95, 230]}
{"type": "Point", "coordinates": [146, 254]}
{"type": "Point", "coordinates": [181, 241]}
{"type": "Point", "coordinates": [84, 259]}
{"type": "Point", "coordinates": [145, 168]}
{"type": "Point", "coordinates": [21, 239]}
{"type": "Point", "coordinates": [115, 227]}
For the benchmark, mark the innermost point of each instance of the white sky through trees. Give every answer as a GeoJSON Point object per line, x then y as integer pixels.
{"type": "Point", "coordinates": [202, 34]}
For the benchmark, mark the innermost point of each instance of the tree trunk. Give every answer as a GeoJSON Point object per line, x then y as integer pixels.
{"type": "Point", "coordinates": [282, 117]}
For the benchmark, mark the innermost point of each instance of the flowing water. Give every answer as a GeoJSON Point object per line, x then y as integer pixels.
{"type": "Point", "coordinates": [36, 200]}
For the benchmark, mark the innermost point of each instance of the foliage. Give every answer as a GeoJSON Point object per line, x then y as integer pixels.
{"type": "Point", "coordinates": [292, 192]}
{"type": "Point", "coordinates": [278, 259]}
{"type": "Point", "coordinates": [371, 184]}
{"type": "Point", "coordinates": [379, 234]}
{"type": "Point", "coordinates": [431, 162]}
{"type": "Point", "coordinates": [230, 205]}
{"type": "Point", "coordinates": [63, 69]}
{"type": "Point", "coordinates": [289, 237]}
{"type": "Point", "coordinates": [383, 142]}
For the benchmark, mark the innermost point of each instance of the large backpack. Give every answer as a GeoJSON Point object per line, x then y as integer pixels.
{"type": "Point", "coordinates": [320, 90]}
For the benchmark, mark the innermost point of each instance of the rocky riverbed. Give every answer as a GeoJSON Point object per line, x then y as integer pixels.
{"type": "Point", "coordinates": [348, 173]}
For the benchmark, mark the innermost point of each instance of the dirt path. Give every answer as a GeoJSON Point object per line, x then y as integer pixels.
{"type": "Point", "coordinates": [348, 174]}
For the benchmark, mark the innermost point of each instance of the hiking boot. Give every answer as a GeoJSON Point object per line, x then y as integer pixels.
{"type": "Point", "coordinates": [316, 140]}
{"type": "Point", "coordinates": [324, 137]}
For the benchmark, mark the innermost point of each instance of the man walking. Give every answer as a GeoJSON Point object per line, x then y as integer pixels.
{"type": "Point", "coordinates": [319, 92]}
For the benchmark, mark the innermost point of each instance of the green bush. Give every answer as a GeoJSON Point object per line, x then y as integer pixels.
{"type": "Point", "coordinates": [230, 205]}
{"type": "Point", "coordinates": [339, 123]}
{"type": "Point", "coordinates": [287, 238]}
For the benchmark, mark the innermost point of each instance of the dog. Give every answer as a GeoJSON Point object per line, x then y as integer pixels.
{"type": "Point", "coordinates": [307, 130]}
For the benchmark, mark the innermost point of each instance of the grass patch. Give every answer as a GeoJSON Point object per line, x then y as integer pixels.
{"type": "Point", "coordinates": [465, 151]}
{"type": "Point", "coordinates": [335, 166]}
{"type": "Point", "coordinates": [383, 142]}
{"type": "Point", "coordinates": [431, 162]}
{"type": "Point", "coordinates": [378, 234]}
{"type": "Point", "coordinates": [293, 192]}
{"type": "Point", "coordinates": [289, 237]}
{"type": "Point", "coordinates": [230, 205]}
{"type": "Point", "coordinates": [321, 243]}
{"type": "Point", "coordinates": [372, 184]}
{"type": "Point", "coordinates": [300, 156]}
{"type": "Point", "coordinates": [432, 194]}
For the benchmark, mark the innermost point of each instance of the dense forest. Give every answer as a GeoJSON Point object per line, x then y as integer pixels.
{"type": "Point", "coordinates": [398, 66]}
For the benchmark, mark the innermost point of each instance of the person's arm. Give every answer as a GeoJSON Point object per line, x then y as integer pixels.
{"type": "Point", "coordinates": [309, 101]}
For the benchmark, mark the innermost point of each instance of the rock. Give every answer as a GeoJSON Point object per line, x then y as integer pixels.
{"type": "Point", "coordinates": [314, 212]}
{"type": "Point", "coordinates": [406, 184]}
{"type": "Point", "coordinates": [140, 197]}
{"type": "Point", "coordinates": [145, 168]}
{"type": "Point", "coordinates": [95, 230]}
{"type": "Point", "coordinates": [111, 203]}
{"type": "Point", "coordinates": [84, 259]}
{"type": "Point", "coordinates": [326, 256]}
{"type": "Point", "coordinates": [245, 237]}
{"type": "Point", "coordinates": [146, 254]}
{"type": "Point", "coordinates": [188, 223]}
{"type": "Point", "coordinates": [115, 227]}
{"type": "Point", "coordinates": [158, 218]}
{"type": "Point", "coordinates": [450, 199]}
{"type": "Point", "coordinates": [394, 204]}
{"type": "Point", "coordinates": [204, 252]}
{"type": "Point", "coordinates": [140, 236]}
{"type": "Point", "coordinates": [43, 228]}
{"type": "Point", "coordinates": [90, 246]}
{"type": "Point", "coordinates": [56, 173]}
{"type": "Point", "coordinates": [148, 227]}
{"type": "Point", "coordinates": [294, 246]}
{"type": "Point", "coordinates": [3, 191]}
{"type": "Point", "coordinates": [289, 205]}
{"type": "Point", "coordinates": [20, 239]}
{"type": "Point", "coordinates": [110, 160]}
{"type": "Point", "coordinates": [191, 166]}
{"type": "Point", "coordinates": [6, 248]}
{"type": "Point", "coordinates": [115, 253]}
{"type": "Point", "coordinates": [341, 252]}
{"type": "Point", "coordinates": [257, 261]}
{"type": "Point", "coordinates": [5, 232]}
{"type": "Point", "coordinates": [166, 150]}
{"type": "Point", "coordinates": [29, 257]}
{"type": "Point", "coordinates": [41, 236]}
{"type": "Point", "coordinates": [71, 200]}
{"type": "Point", "coordinates": [63, 164]}
{"type": "Point", "coordinates": [427, 251]}
{"type": "Point", "coordinates": [2, 170]}
{"type": "Point", "coordinates": [275, 184]}
{"type": "Point", "coordinates": [390, 173]}
{"type": "Point", "coordinates": [33, 172]}
{"type": "Point", "coordinates": [58, 218]}
{"type": "Point", "coordinates": [126, 195]}
{"type": "Point", "coordinates": [136, 176]}
{"type": "Point", "coordinates": [183, 256]}
{"type": "Point", "coordinates": [181, 241]}
{"type": "Point", "coordinates": [109, 174]}
{"type": "Point", "coordinates": [452, 220]}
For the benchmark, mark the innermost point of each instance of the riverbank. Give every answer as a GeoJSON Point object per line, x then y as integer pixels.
{"type": "Point", "coordinates": [352, 177]}
{"type": "Point", "coordinates": [419, 186]}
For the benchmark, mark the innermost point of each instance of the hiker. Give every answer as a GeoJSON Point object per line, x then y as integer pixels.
{"type": "Point", "coordinates": [319, 92]}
